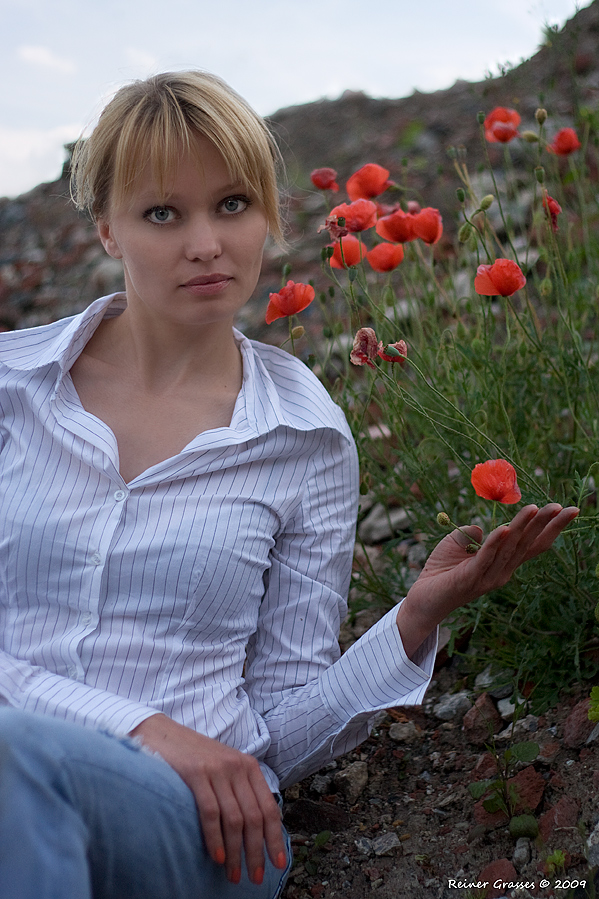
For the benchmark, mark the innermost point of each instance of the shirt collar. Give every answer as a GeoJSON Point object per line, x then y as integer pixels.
{"type": "Point", "coordinates": [277, 388]}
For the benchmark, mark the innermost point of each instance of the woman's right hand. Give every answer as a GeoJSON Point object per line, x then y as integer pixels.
{"type": "Point", "coordinates": [235, 804]}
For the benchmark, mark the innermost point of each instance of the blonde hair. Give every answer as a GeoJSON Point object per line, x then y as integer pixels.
{"type": "Point", "coordinates": [156, 120]}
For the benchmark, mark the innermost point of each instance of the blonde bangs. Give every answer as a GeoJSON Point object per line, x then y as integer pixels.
{"type": "Point", "coordinates": [156, 122]}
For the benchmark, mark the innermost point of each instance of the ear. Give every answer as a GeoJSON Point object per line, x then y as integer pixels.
{"type": "Point", "coordinates": [108, 240]}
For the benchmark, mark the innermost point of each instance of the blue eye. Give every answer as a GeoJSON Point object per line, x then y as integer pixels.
{"type": "Point", "coordinates": [233, 205]}
{"type": "Point", "coordinates": [159, 215]}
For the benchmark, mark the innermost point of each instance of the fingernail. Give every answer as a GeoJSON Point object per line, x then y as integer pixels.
{"type": "Point", "coordinates": [235, 875]}
{"type": "Point", "coordinates": [281, 860]}
{"type": "Point", "coordinates": [219, 856]}
{"type": "Point", "coordinates": [258, 876]}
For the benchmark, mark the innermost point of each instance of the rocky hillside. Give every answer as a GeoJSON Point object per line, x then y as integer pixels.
{"type": "Point", "coordinates": [52, 264]}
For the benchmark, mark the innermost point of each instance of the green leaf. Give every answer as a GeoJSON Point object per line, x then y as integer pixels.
{"type": "Point", "coordinates": [479, 788]}
{"type": "Point", "coordinates": [494, 804]}
{"type": "Point", "coordinates": [322, 839]}
{"type": "Point", "coordinates": [525, 752]}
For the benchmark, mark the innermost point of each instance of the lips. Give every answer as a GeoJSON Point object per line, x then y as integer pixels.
{"type": "Point", "coordinates": [208, 284]}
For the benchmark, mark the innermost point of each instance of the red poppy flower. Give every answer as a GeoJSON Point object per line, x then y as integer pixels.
{"type": "Point", "coordinates": [358, 216]}
{"type": "Point", "coordinates": [501, 125]}
{"type": "Point", "coordinates": [353, 252]}
{"type": "Point", "coordinates": [366, 348]}
{"type": "Point", "coordinates": [369, 181]}
{"type": "Point", "coordinates": [428, 225]}
{"type": "Point", "coordinates": [553, 209]}
{"type": "Point", "coordinates": [385, 256]}
{"type": "Point", "coordinates": [397, 227]}
{"type": "Point", "coordinates": [324, 179]}
{"type": "Point", "coordinates": [401, 347]}
{"type": "Point", "coordinates": [502, 279]}
{"type": "Point", "coordinates": [496, 480]}
{"type": "Point", "coordinates": [290, 299]}
{"type": "Point", "coordinates": [565, 142]}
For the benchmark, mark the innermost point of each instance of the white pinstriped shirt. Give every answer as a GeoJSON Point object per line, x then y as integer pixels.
{"type": "Point", "coordinates": [119, 600]}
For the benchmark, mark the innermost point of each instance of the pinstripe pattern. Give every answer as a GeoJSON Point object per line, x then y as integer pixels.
{"type": "Point", "coordinates": [119, 600]}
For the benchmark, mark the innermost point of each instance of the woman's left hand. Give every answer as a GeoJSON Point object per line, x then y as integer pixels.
{"type": "Point", "coordinates": [453, 577]}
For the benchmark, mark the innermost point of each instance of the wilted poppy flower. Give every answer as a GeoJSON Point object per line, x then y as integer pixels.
{"type": "Point", "coordinates": [496, 480]}
{"type": "Point", "coordinates": [369, 181]}
{"type": "Point", "coordinates": [324, 179]}
{"type": "Point", "coordinates": [397, 227]}
{"type": "Point", "coordinates": [401, 347]}
{"type": "Point", "coordinates": [359, 215]}
{"type": "Point", "coordinates": [290, 299]}
{"type": "Point", "coordinates": [553, 209]}
{"type": "Point", "coordinates": [366, 348]}
{"type": "Point", "coordinates": [565, 142]}
{"type": "Point", "coordinates": [502, 279]}
{"type": "Point", "coordinates": [428, 225]}
{"type": "Point", "coordinates": [353, 252]}
{"type": "Point", "coordinates": [501, 125]}
{"type": "Point", "coordinates": [385, 256]}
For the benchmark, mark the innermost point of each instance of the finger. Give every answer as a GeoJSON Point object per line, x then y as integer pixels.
{"type": "Point", "coordinates": [232, 822]}
{"type": "Point", "coordinates": [551, 531]}
{"type": "Point", "coordinates": [253, 829]}
{"type": "Point", "coordinates": [210, 820]}
{"type": "Point", "coordinates": [273, 829]}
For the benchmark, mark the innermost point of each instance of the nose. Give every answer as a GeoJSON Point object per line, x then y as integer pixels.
{"type": "Point", "coordinates": [202, 239]}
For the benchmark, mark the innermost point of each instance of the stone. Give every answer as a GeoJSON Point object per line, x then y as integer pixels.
{"type": "Point", "coordinates": [452, 706]}
{"type": "Point", "coordinates": [530, 786]}
{"type": "Point", "coordinates": [497, 684]}
{"type": "Point", "coordinates": [486, 766]}
{"type": "Point", "coordinates": [363, 845]}
{"type": "Point", "coordinates": [594, 734]}
{"type": "Point", "coordinates": [352, 780]}
{"type": "Point", "coordinates": [482, 720]}
{"type": "Point", "coordinates": [521, 856]}
{"type": "Point", "coordinates": [548, 751]}
{"type": "Point", "coordinates": [577, 727]}
{"type": "Point", "coordinates": [501, 870]}
{"type": "Point", "coordinates": [404, 733]}
{"type": "Point", "coordinates": [386, 844]}
{"type": "Point", "coordinates": [521, 730]}
{"type": "Point", "coordinates": [593, 847]}
{"type": "Point", "coordinates": [382, 523]}
{"type": "Point", "coordinates": [321, 783]}
{"type": "Point", "coordinates": [563, 814]}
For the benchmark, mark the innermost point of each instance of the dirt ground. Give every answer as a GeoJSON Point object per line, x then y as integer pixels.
{"type": "Point", "coordinates": [402, 822]}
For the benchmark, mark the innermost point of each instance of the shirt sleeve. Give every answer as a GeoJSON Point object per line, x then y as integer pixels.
{"type": "Point", "coordinates": [34, 689]}
{"type": "Point", "coordinates": [316, 704]}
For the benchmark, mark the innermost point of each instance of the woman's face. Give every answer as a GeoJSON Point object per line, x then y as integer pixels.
{"type": "Point", "coordinates": [194, 258]}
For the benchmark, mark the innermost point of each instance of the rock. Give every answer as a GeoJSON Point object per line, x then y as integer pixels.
{"type": "Point", "coordinates": [363, 845]}
{"type": "Point", "coordinates": [452, 706]}
{"type": "Point", "coordinates": [594, 734]}
{"type": "Point", "coordinates": [593, 847]}
{"type": "Point", "coordinates": [405, 733]}
{"type": "Point", "coordinates": [321, 783]}
{"type": "Point", "coordinates": [352, 780]}
{"type": "Point", "coordinates": [482, 720]}
{"type": "Point", "coordinates": [522, 729]}
{"type": "Point", "coordinates": [548, 751]}
{"type": "Point", "coordinates": [308, 816]}
{"type": "Point", "coordinates": [382, 523]}
{"type": "Point", "coordinates": [497, 684]}
{"type": "Point", "coordinates": [577, 727]}
{"type": "Point", "coordinates": [385, 844]}
{"type": "Point", "coordinates": [530, 786]}
{"type": "Point", "coordinates": [486, 766]}
{"type": "Point", "coordinates": [501, 870]}
{"type": "Point", "coordinates": [563, 814]}
{"type": "Point", "coordinates": [521, 855]}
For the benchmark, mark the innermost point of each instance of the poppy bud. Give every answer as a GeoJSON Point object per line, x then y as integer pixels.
{"type": "Point", "coordinates": [530, 137]}
{"type": "Point", "coordinates": [444, 520]}
{"type": "Point", "coordinates": [298, 332]}
{"type": "Point", "coordinates": [486, 202]}
{"type": "Point", "coordinates": [341, 221]}
{"type": "Point", "coordinates": [480, 118]}
{"type": "Point", "coordinates": [546, 287]}
{"type": "Point", "coordinates": [286, 271]}
{"type": "Point", "coordinates": [540, 174]}
{"type": "Point", "coordinates": [464, 232]}
{"type": "Point", "coordinates": [331, 288]}
{"type": "Point", "coordinates": [451, 152]}
{"type": "Point", "coordinates": [352, 274]}
{"type": "Point", "coordinates": [461, 194]}
{"type": "Point", "coordinates": [541, 115]}
{"type": "Point", "coordinates": [326, 253]}
{"type": "Point", "coordinates": [472, 548]}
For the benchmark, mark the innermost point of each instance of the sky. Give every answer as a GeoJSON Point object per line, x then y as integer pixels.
{"type": "Point", "coordinates": [63, 59]}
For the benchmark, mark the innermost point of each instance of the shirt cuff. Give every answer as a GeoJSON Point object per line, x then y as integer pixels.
{"type": "Point", "coordinates": [375, 673]}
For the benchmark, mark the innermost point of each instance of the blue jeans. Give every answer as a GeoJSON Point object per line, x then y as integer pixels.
{"type": "Point", "coordinates": [84, 814]}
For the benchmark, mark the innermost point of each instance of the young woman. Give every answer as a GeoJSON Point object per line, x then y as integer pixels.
{"type": "Point", "coordinates": [178, 506]}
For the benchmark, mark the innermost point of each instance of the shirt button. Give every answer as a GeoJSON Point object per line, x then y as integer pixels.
{"type": "Point", "coordinates": [96, 558]}
{"type": "Point", "coordinates": [119, 495]}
